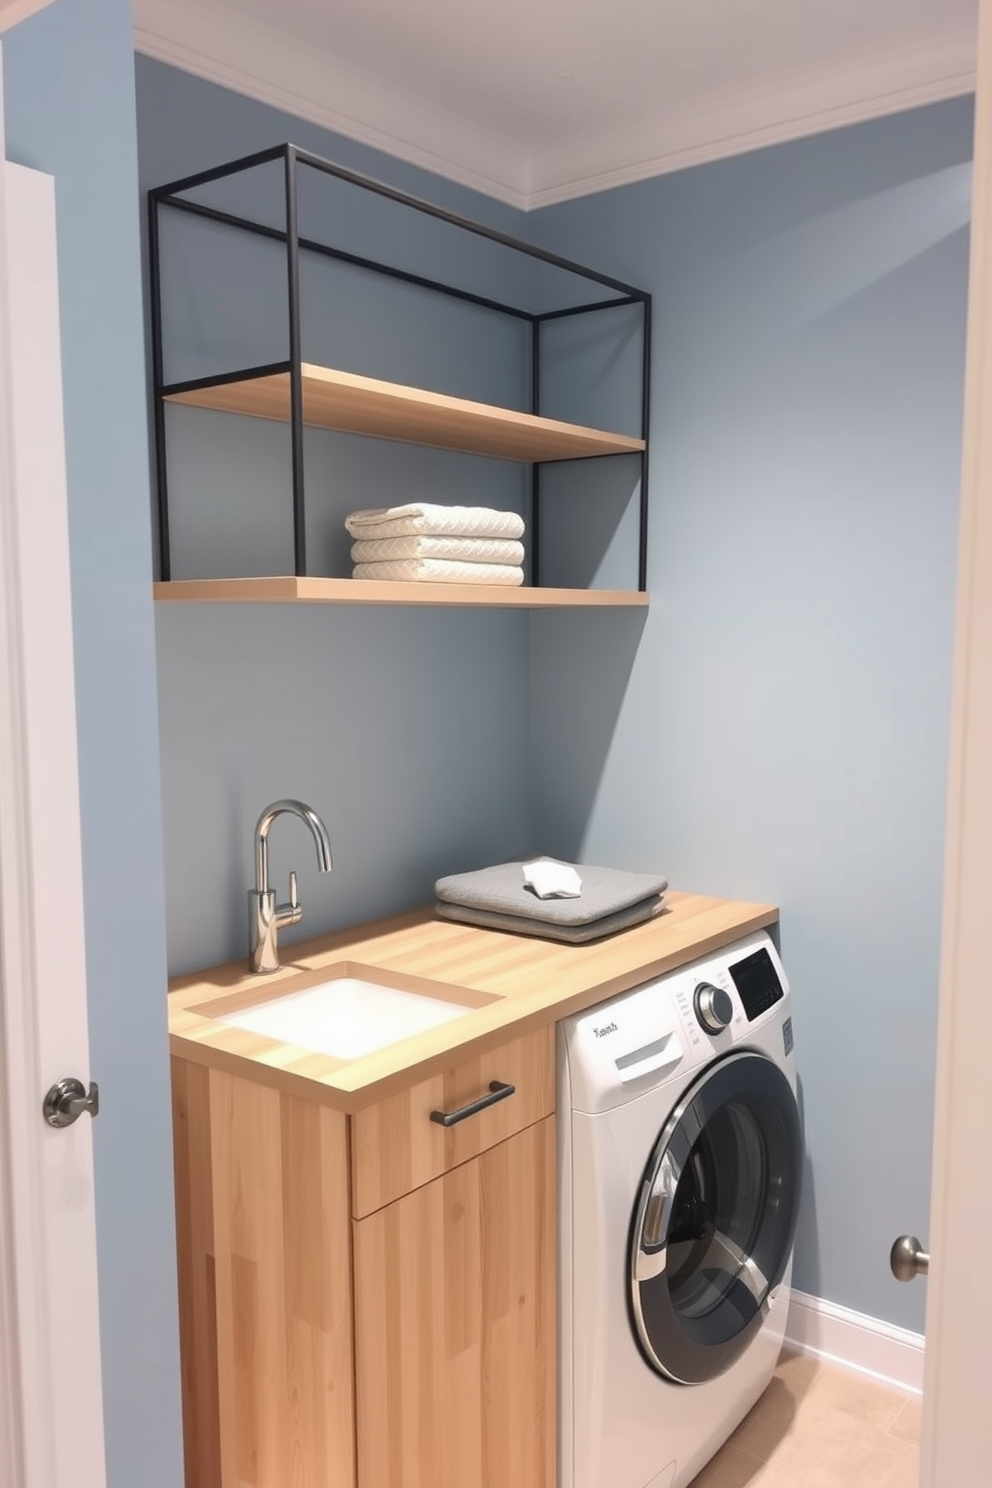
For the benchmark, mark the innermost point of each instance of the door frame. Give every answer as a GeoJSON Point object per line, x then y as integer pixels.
{"type": "Point", "coordinates": [957, 1425]}
{"type": "Point", "coordinates": [51, 1409]}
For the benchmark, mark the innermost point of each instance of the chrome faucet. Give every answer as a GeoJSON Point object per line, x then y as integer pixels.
{"type": "Point", "coordinates": [265, 916]}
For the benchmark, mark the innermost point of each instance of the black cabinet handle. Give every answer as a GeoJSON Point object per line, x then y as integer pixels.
{"type": "Point", "coordinates": [497, 1092]}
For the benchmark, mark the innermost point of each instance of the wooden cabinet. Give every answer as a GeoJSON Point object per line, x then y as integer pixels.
{"type": "Point", "coordinates": [455, 1326]}
{"type": "Point", "coordinates": [423, 1310]}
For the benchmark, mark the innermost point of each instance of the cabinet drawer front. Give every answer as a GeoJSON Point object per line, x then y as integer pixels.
{"type": "Point", "coordinates": [396, 1146]}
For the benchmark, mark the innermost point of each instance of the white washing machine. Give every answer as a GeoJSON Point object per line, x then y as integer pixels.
{"type": "Point", "coordinates": [680, 1159]}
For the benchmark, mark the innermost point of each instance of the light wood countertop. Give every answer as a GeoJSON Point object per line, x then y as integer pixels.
{"type": "Point", "coordinates": [509, 982]}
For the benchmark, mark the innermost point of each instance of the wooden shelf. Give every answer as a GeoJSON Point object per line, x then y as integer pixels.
{"type": "Point", "coordinates": [387, 410]}
{"type": "Point", "coordinates": [290, 590]}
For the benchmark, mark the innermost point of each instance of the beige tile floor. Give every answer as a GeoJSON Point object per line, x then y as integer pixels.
{"type": "Point", "coordinates": [817, 1426]}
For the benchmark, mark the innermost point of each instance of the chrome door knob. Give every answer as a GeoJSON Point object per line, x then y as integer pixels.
{"type": "Point", "coordinates": [68, 1100]}
{"type": "Point", "coordinates": [908, 1259]}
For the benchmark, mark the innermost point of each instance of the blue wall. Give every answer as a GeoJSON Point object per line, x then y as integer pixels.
{"type": "Point", "coordinates": [779, 731]}
{"type": "Point", "coordinates": [775, 729]}
{"type": "Point", "coordinates": [69, 96]}
{"type": "Point", "coordinates": [407, 729]}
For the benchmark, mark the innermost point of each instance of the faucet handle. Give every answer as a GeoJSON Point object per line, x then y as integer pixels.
{"type": "Point", "coordinates": [291, 913]}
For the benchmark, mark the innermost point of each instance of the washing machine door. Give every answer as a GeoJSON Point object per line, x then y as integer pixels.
{"type": "Point", "coordinates": [716, 1218]}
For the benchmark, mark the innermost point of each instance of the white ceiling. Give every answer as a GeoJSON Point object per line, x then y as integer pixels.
{"type": "Point", "coordinates": [534, 101]}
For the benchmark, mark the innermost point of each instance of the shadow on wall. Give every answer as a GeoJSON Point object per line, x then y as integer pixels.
{"type": "Point", "coordinates": [584, 660]}
{"type": "Point", "coordinates": [406, 732]}
{"type": "Point", "coordinates": [779, 288]}
{"type": "Point", "coordinates": [589, 523]}
{"type": "Point", "coordinates": [807, 1232]}
{"type": "Point", "coordinates": [592, 373]}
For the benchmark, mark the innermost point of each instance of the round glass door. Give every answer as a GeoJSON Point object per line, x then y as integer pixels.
{"type": "Point", "coordinates": [716, 1218]}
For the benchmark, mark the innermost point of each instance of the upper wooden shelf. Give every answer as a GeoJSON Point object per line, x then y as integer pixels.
{"type": "Point", "coordinates": [387, 410]}
{"type": "Point", "coordinates": [290, 590]}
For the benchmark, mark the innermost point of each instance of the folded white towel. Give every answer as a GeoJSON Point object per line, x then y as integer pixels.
{"type": "Point", "coordinates": [461, 549]}
{"type": "Point", "coordinates": [551, 880]}
{"type": "Point", "coordinates": [422, 518]}
{"type": "Point", "coordinates": [441, 571]}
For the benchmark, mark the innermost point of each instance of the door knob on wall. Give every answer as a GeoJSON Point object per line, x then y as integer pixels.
{"type": "Point", "coordinates": [68, 1100]}
{"type": "Point", "coordinates": [908, 1259]}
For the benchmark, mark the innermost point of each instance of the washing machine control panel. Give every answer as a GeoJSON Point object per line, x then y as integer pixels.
{"type": "Point", "coordinates": [757, 983]}
{"type": "Point", "coordinates": [713, 1007]}
{"type": "Point", "coordinates": [672, 1025]}
{"type": "Point", "coordinates": [722, 997]}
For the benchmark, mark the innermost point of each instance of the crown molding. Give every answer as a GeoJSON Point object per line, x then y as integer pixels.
{"type": "Point", "coordinates": [781, 109]}
{"type": "Point", "coordinates": [261, 62]}
{"type": "Point", "coordinates": [12, 12]}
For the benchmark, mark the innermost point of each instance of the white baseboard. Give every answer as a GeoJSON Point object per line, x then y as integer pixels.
{"type": "Point", "coordinates": [886, 1353]}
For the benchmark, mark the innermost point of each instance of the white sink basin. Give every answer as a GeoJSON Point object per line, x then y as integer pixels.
{"type": "Point", "coordinates": [346, 1017]}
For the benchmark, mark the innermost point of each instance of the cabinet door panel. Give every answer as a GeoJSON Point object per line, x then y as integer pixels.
{"type": "Point", "coordinates": [283, 1313]}
{"type": "Point", "coordinates": [396, 1147]}
{"type": "Point", "coordinates": [455, 1326]}
{"type": "Point", "coordinates": [195, 1256]}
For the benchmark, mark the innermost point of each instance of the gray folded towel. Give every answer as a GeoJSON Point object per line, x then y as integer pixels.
{"type": "Point", "coordinates": [500, 890]}
{"type": "Point", "coordinates": [624, 919]}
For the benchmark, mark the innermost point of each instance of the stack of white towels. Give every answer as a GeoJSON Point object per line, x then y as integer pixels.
{"type": "Point", "coordinates": [437, 544]}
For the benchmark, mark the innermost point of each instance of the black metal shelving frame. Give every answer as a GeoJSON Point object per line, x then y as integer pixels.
{"type": "Point", "coordinates": [173, 196]}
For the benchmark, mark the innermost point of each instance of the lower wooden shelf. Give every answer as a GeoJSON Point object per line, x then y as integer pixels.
{"type": "Point", "coordinates": [287, 589]}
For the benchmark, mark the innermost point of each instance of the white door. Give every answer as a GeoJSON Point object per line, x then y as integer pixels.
{"type": "Point", "coordinates": [51, 1414]}
{"type": "Point", "coordinates": [957, 1404]}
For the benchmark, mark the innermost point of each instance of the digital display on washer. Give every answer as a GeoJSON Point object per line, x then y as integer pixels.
{"type": "Point", "coordinates": [757, 982]}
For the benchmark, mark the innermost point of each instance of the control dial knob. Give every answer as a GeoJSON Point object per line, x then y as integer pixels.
{"type": "Point", "coordinates": [713, 1006]}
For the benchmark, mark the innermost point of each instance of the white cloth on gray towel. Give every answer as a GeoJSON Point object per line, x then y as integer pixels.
{"type": "Point", "coordinates": [423, 518]}
{"type": "Point", "coordinates": [440, 571]}
{"type": "Point", "coordinates": [500, 890]}
{"type": "Point", "coordinates": [624, 919]}
{"type": "Point", "coordinates": [550, 880]}
{"type": "Point", "coordinates": [460, 549]}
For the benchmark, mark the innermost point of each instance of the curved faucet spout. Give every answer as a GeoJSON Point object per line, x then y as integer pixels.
{"type": "Point", "coordinates": [306, 814]}
{"type": "Point", "coordinates": [265, 916]}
